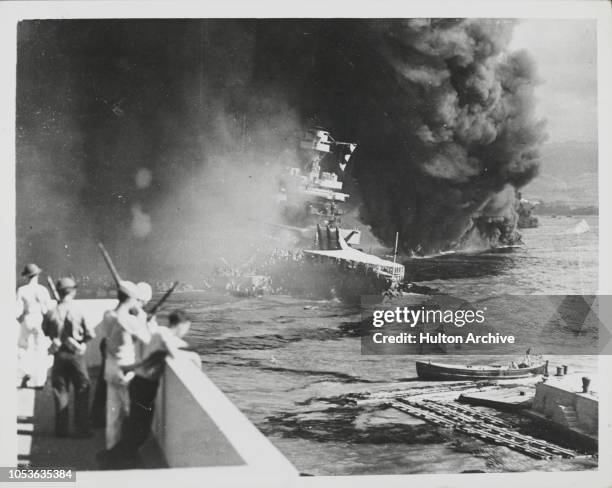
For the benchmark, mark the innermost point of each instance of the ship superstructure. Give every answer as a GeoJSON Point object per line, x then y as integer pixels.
{"type": "Point", "coordinates": [315, 191]}
{"type": "Point", "coordinates": [314, 196]}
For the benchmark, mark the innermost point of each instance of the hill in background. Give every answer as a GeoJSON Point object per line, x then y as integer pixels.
{"type": "Point", "coordinates": [568, 175]}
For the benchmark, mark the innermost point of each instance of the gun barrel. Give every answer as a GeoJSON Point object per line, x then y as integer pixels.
{"type": "Point", "coordinates": [109, 263]}
{"type": "Point", "coordinates": [53, 289]}
{"type": "Point", "coordinates": [163, 299]}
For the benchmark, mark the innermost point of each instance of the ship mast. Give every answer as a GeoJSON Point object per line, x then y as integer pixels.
{"type": "Point", "coordinates": [395, 249]}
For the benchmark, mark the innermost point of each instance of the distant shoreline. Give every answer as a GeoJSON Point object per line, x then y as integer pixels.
{"type": "Point", "coordinates": [564, 209]}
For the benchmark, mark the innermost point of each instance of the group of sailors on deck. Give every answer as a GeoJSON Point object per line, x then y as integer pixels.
{"type": "Point", "coordinates": [133, 347]}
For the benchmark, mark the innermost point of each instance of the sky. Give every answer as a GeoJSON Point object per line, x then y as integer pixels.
{"type": "Point", "coordinates": [98, 102]}
{"type": "Point", "coordinates": [566, 56]}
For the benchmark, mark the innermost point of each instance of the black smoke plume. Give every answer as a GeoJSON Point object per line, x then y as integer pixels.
{"type": "Point", "coordinates": [162, 137]}
{"type": "Point", "coordinates": [442, 111]}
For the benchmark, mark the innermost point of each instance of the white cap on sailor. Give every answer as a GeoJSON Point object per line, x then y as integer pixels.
{"type": "Point", "coordinates": [128, 288]}
{"type": "Point", "coordinates": [145, 292]}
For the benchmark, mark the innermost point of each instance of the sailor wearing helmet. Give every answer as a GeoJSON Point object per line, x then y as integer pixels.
{"type": "Point", "coordinates": [69, 332]}
{"type": "Point", "coordinates": [33, 301]}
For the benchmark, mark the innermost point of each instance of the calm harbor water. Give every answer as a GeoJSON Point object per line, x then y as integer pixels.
{"type": "Point", "coordinates": [289, 363]}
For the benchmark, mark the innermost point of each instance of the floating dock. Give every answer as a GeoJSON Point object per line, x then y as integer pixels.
{"type": "Point", "coordinates": [486, 427]}
{"type": "Point", "coordinates": [508, 399]}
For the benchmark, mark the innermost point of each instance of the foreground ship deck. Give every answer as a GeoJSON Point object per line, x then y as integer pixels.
{"type": "Point", "coordinates": [38, 446]}
{"type": "Point", "coordinates": [198, 434]}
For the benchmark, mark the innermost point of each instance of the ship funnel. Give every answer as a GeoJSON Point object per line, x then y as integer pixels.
{"type": "Point", "coordinates": [321, 238]}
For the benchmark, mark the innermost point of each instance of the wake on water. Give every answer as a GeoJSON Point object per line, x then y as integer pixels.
{"type": "Point", "coordinates": [470, 252]}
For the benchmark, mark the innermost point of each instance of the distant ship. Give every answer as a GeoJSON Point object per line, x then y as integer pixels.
{"type": "Point", "coordinates": [580, 228]}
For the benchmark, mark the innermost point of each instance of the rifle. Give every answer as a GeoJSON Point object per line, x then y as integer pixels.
{"type": "Point", "coordinates": [109, 263]}
{"type": "Point", "coordinates": [161, 301]}
{"type": "Point", "coordinates": [54, 292]}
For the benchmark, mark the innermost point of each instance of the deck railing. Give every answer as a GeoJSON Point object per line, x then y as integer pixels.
{"type": "Point", "coordinates": [201, 433]}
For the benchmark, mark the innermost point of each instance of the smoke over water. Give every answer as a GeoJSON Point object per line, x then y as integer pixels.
{"type": "Point", "coordinates": [163, 138]}
{"type": "Point", "coordinates": [441, 110]}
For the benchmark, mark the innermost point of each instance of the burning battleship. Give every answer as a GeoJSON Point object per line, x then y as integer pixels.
{"type": "Point", "coordinates": [318, 197]}
{"type": "Point", "coordinates": [326, 258]}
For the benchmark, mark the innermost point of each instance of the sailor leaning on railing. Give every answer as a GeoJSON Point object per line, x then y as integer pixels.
{"type": "Point", "coordinates": [120, 329]}
{"type": "Point", "coordinates": [147, 370]}
{"type": "Point", "coordinates": [135, 351]}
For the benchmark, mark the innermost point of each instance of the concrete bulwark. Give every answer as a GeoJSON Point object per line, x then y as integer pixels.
{"type": "Point", "coordinates": [198, 433]}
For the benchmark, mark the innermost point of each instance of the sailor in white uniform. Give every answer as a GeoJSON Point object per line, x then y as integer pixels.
{"type": "Point", "coordinates": [121, 326]}
{"type": "Point", "coordinates": [33, 301]}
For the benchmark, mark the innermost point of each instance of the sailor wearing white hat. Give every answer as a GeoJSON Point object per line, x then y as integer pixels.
{"type": "Point", "coordinates": [144, 292]}
{"type": "Point", "coordinates": [118, 326]}
{"type": "Point", "coordinates": [128, 330]}
{"type": "Point", "coordinates": [147, 325]}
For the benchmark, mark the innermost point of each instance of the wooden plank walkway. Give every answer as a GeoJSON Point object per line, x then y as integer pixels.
{"type": "Point", "coordinates": [481, 425]}
{"type": "Point", "coordinates": [417, 390]}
